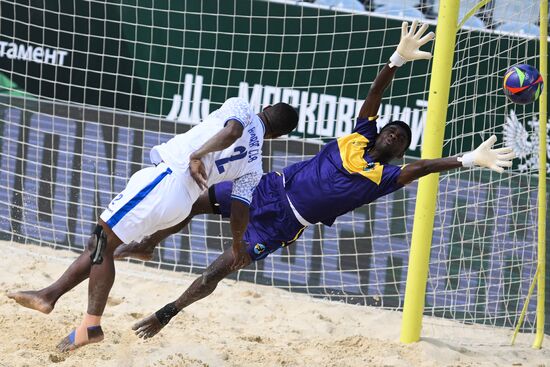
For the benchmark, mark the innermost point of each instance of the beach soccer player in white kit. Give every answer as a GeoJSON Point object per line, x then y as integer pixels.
{"type": "Point", "coordinates": [226, 146]}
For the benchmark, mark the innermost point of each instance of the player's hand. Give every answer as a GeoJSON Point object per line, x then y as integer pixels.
{"type": "Point", "coordinates": [409, 46]}
{"type": "Point", "coordinates": [485, 156]}
{"type": "Point", "coordinates": [240, 256]}
{"type": "Point", "coordinates": [198, 172]}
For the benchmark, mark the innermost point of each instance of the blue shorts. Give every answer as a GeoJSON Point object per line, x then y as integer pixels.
{"type": "Point", "coordinates": [272, 223]}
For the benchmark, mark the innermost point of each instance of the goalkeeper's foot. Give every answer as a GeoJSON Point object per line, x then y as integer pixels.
{"type": "Point", "coordinates": [140, 251]}
{"type": "Point", "coordinates": [80, 337]}
{"type": "Point", "coordinates": [33, 300]}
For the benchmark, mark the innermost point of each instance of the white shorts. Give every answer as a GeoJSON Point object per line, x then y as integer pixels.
{"type": "Point", "coordinates": [155, 198]}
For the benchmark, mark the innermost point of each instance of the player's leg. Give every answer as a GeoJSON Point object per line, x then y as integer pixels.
{"type": "Point", "coordinates": [155, 197]}
{"type": "Point", "coordinates": [102, 276]}
{"type": "Point", "coordinates": [202, 287]}
{"type": "Point", "coordinates": [273, 219]}
{"type": "Point", "coordinates": [44, 300]}
{"type": "Point", "coordinates": [144, 249]}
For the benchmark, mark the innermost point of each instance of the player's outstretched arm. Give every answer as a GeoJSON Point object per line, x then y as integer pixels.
{"type": "Point", "coordinates": [223, 139]}
{"type": "Point", "coordinates": [482, 156]}
{"type": "Point", "coordinates": [407, 50]}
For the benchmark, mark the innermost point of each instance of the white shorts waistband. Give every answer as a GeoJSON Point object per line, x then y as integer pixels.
{"type": "Point", "coordinates": [294, 211]}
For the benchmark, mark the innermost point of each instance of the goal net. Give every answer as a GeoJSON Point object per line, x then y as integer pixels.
{"type": "Point", "coordinates": [88, 87]}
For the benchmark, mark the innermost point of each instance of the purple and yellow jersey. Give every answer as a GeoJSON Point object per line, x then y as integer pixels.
{"type": "Point", "coordinates": [341, 177]}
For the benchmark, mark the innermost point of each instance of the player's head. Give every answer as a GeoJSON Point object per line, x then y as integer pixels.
{"type": "Point", "coordinates": [279, 119]}
{"type": "Point", "coordinates": [394, 139]}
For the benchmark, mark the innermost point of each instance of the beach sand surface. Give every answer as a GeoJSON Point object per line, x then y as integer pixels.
{"type": "Point", "coordinates": [240, 324]}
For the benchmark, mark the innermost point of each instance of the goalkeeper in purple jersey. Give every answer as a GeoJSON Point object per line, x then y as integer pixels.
{"type": "Point", "coordinates": [347, 173]}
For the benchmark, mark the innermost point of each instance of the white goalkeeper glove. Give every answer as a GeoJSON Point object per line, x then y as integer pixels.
{"type": "Point", "coordinates": [484, 156]}
{"type": "Point", "coordinates": [409, 46]}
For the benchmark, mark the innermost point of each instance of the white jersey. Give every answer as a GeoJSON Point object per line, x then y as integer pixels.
{"type": "Point", "coordinates": [241, 162]}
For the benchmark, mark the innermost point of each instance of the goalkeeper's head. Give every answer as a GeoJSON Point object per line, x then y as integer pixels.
{"type": "Point", "coordinates": [279, 119]}
{"type": "Point", "coordinates": [394, 139]}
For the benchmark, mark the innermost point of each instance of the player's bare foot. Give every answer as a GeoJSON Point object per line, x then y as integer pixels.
{"type": "Point", "coordinates": [32, 300]}
{"type": "Point", "coordinates": [80, 337]}
{"type": "Point", "coordinates": [134, 250]}
{"type": "Point", "coordinates": [148, 327]}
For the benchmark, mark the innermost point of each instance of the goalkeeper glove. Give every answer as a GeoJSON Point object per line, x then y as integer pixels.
{"type": "Point", "coordinates": [484, 156]}
{"type": "Point", "coordinates": [409, 46]}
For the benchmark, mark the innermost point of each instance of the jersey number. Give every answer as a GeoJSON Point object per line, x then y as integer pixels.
{"type": "Point", "coordinates": [240, 153]}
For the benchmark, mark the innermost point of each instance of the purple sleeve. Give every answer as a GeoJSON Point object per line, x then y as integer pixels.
{"type": "Point", "coordinates": [389, 179]}
{"type": "Point", "coordinates": [367, 127]}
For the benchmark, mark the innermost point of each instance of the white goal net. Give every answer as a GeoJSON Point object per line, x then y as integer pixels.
{"type": "Point", "coordinates": [88, 87]}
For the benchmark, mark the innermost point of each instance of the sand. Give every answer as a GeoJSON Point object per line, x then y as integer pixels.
{"type": "Point", "coordinates": [241, 324]}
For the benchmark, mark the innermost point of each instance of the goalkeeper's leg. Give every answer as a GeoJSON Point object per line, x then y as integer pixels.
{"type": "Point", "coordinates": [145, 249]}
{"type": "Point", "coordinates": [202, 287]}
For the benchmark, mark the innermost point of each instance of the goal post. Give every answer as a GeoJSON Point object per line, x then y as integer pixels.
{"type": "Point", "coordinates": [432, 147]}
{"type": "Point", "coordinates": [423, 229]}
{"type": "Point", "coordinates": [542, 191]}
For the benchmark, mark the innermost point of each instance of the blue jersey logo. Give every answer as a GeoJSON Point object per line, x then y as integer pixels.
{"type": "Point", "coordinates": [369, 167]}
{"type": "Point", "coordinates": [259, 248]}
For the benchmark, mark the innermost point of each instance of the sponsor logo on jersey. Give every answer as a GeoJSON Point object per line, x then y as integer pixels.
{"type": "Point", "coordinates": [259, 248]}
{"type": "Point", "coordinates": [369, 167]}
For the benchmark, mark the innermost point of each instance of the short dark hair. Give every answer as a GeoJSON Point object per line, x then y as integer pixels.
{"type": "Point", "coordinates": [282, 118]}
{"type": "Point", "coordinates": [403, 126]}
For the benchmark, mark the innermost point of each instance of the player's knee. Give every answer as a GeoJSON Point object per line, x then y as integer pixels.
{"type": "Point", "coordinates": [205, 279]}
{"type": "Point", "coordinates": [209, 280]}
{"type": "Point", "coordinates": [90, 246]}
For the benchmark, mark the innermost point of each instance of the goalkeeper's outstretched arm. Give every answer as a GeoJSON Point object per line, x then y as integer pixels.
{"type": "Point", "coordinates": [407, 50]}
{"type": "Point", "coordinates": [482, 156]}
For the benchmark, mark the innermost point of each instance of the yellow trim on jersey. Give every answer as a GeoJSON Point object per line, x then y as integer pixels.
{"type": "Point", "coordinates": [352, 149]}
{"type": "Point", "coordinates": [284, 244]}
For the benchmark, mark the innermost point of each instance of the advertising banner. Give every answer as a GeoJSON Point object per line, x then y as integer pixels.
{"type": "Point", "coordinates": [62, 165]}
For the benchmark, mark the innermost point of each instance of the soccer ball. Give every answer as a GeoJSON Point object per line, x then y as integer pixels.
{"type": "Point", "coordinates": [522, 84]}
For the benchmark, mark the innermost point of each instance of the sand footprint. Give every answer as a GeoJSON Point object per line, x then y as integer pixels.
{"type": "Point", "coordinates": [113, 301]}
{"type": "Point", "coordinates": [249, 293]}
{"type": "Point", "coordinates": [56, 358]}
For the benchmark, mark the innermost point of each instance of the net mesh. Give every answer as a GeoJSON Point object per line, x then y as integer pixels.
{"type": "Point", "coordinates": [88, 87]}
